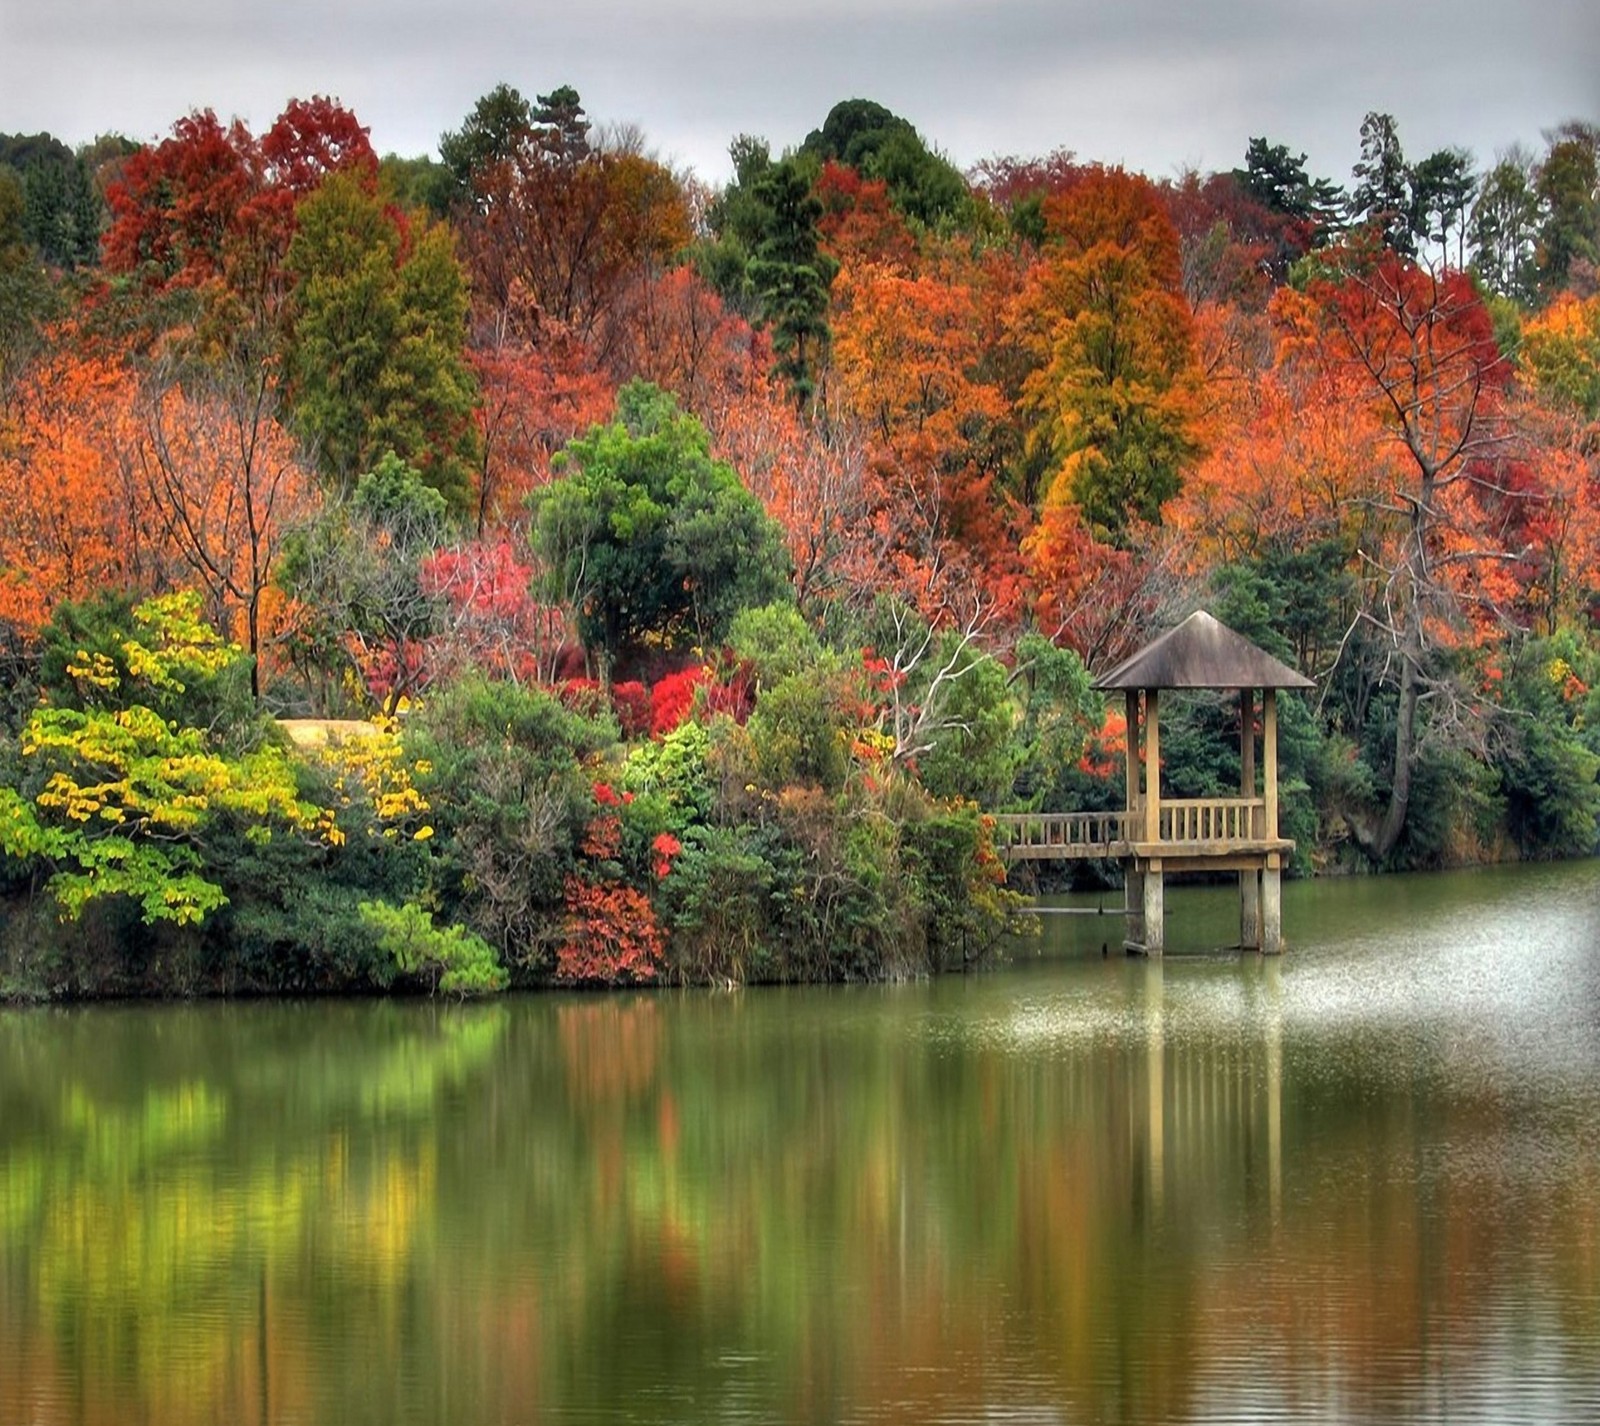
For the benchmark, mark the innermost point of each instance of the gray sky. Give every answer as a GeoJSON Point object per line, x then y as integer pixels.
{"type": "Point", "coordinates": [1154, 84]}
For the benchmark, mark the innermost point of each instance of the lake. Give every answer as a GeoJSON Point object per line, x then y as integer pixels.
{"type": "Point", "coordinates": [1357, 1183]}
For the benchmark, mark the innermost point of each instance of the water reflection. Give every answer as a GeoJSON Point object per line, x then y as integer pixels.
{"type": "Point", "coordinates": [1354, 1184]}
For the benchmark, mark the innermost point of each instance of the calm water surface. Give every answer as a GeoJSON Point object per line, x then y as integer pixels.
{"type": "Point", "coordinates": [1361, 1183]}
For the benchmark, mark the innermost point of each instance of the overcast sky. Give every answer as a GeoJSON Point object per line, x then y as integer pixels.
{"type": "Point", "coordinates": [1156, 85]}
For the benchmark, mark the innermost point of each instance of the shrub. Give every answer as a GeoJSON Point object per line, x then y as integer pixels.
{"type": "Point", "coordinates": [452, 960]}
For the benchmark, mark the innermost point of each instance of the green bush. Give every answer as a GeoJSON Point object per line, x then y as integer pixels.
{"type": "Point", "coordinates": [451, 960]}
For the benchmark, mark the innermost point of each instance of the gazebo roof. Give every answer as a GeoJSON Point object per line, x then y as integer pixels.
{"type": "Point", "coordinates": [1201, 652]}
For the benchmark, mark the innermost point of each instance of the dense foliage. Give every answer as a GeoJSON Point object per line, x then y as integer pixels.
{"type": "Point", "coordinates": [674, 580]}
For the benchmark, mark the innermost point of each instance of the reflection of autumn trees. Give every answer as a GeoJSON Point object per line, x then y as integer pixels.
{"type": "Point", "coordinates": [1085, 1207]}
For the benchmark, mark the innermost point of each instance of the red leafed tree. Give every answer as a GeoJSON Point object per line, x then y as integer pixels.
{"type": "Point", "coordinates": [213, 207]}
{"type": "Point", "coordinates": [311, 139]}
{"type": "Point", "coordinates": [859, 225]}
{"type": "Point", "coordinates": [676, 333]}
{"type": "Point", "coordinates": [534, 397]}
{"type": "Point", "coordinates": [610, 935]}
{"type": "Point", "coordinates": [177, 203]}
{"type": "Point", "coordinates": [1549, 503]}
{"type": "Point", "coordinates": [1423, 350]}
{"type": "Point", "coordinates": [573, 232]}
{"type": "Point", "coordinates": [491, 620]}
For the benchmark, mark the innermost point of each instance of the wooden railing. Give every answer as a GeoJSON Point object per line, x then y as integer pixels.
{"type": "Point", "coordinates": [1213, 819]}
{"type": "Point", "coordinates": [1081, 834]}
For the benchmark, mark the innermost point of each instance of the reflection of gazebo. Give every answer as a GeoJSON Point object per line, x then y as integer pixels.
{"type": "Point", "coordinates": [1154, 834]}
{"type": "Point", "coordinates": [1161, 835]}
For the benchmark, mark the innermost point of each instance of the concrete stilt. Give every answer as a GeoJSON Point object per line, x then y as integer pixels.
{"type": "Point", "coordinates": [1272, 909]}
{"type": "Point", "coordinates": [1155, 919]}
{"type": "Point", "coordinates": [1133, 903]}
{"type": "Point", "coordinates": [1250, 910]}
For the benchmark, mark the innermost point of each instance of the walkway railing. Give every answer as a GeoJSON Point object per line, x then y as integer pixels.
{"type": "Point", "coordinates": [1021, 835]}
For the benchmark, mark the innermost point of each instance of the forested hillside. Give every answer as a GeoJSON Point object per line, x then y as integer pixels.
{"type": "Point", "coordinates": [692, 569]}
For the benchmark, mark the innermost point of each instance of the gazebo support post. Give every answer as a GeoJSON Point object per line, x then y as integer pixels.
{"type": "Point", "coordinates": [1272, 907]}
{"type": "Point", "coordinates": [1155, 918]}
{"type": "Point", "coordinates": [1272, 873]}
{"type": "Point", "coordinates": [1249, 879]}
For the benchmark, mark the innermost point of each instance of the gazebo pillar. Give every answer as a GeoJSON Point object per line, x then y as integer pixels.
{"type": "Point", "coordinates": [1155, 917]}
{"type": "Point", "coordinates": [1132, 877]}
{"type": "Point", "coordinates": [1249, 879]}
{"type": "Point", "coordinates": [1272, 873]}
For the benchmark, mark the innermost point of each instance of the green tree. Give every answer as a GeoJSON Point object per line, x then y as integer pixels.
{"type": "Point", "coordinates": [879, 144]}
{"type": "Point", "coordinates": [1442, 189]}
{"type": "Point", "coordinates": [1567, 183]}
{"type": "Point", "coordinates": [62, 212]}
{"type": "Point", "coordinates": [27, 299]}
{"type": "Point", "coordinates": [1381, 198]}
{"type": "Point", "coordinates": [1505, 221]}
{"type": "Point", "coordinates": [375, 347]}
{"type": "Point", "coordinates": [1277, 180]}
{"type": "Point", "coordinates": [647, 536]}
{"type": "Point", "coordinates": [737, 218]}
{"type": "Point", "coordinates": [791, 275]}
{"type": "Point", "coordinates": [355, 573]}
{"type": "Point", "coordinates": [496, 131]}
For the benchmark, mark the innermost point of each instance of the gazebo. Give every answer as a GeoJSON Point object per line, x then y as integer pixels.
{"type": "Point", "coordinates": [1161, 835]}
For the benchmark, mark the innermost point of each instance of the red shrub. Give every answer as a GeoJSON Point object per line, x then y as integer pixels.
{"type": "Point", "coordinates": [610, 936]}
{"type": "Point", "coordinates": [634, 708]}
{"type": "Point", "coordinates": [672, 699]}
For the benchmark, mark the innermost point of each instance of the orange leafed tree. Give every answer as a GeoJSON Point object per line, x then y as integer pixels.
{"type": "Point", "coordinates": [223, 484]}
{"type": "Point", "coordinates": [809, 471]}
{"type": "Point", "coordinates": [1297, 454]}
{"type": "Point", "coordinates": [71, 526]}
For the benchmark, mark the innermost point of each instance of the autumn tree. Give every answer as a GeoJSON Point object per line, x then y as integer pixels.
{"type": "Point", "coordinates": [906, 367]}
{"type": "Point", "coordinates": [552, 225]}
{"type": "Point", "coordinates": [214, 208]}
{"type": "Point", "coordinates": [1424, 349]}
{"type": "Point", "coordinates": [73, 521]}
{"type": "Point", "coordinates": [1113, 392]}
{"type": "Point", "coordinates": [810, 470]}
{"type": "Point", "coordinates": [533, 397]}
{"type": "Point", "coordinates": [223, 483]}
